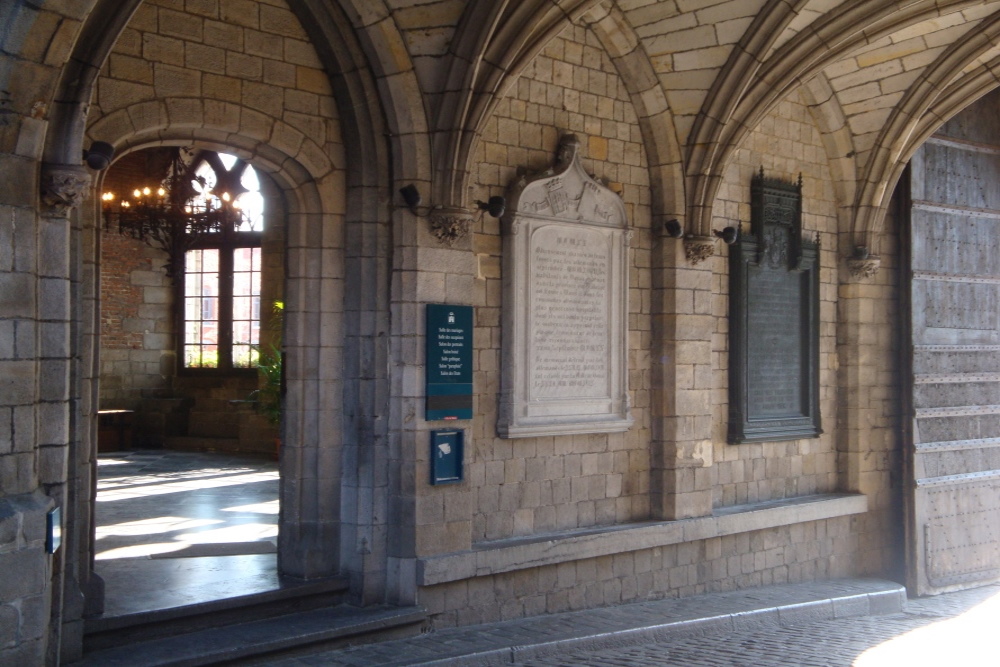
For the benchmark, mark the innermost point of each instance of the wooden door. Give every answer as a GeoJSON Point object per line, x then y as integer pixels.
{"type": "Point", "coordinates": [954, 448]}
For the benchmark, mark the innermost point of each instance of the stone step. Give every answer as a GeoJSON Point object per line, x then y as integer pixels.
{"type": "Point", "coordinates": [292, 597]}
{"type": "Point", "coordinates": [265, 639]}
{"type": "Point", "coordinates": [551, 636]}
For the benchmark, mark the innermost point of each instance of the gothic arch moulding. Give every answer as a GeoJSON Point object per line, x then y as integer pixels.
{"type": "Point", "coordinates": [945, 88]}
{"type": "Point", "coordinates": [756, 78]}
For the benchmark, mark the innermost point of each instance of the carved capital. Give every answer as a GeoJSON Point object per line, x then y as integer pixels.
{"type": "Point", "coordinates": [63, 187]}
{"type": "Point", "coordinates": [863, 267]}
{"type": "Point", "coordinates": [698, 248]}
{"type": "Point", "coordinates": [862, 264]}
{"type": "Point", "coordinates": [450, 225]}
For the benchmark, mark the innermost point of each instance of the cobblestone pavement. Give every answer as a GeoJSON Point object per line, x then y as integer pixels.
{"type": "Point", "coordinates": [957, 629]}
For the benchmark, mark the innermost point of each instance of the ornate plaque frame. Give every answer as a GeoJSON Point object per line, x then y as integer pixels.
{"type": "Point", "coordinates": [565, 316]}
{"type": "Point", "coordinates": [774, 320]}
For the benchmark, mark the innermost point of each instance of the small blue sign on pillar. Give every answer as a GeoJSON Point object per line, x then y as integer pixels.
{"type": "Point", "coordinates": [447, 456]}
{"type": "Point", "coordinates": [449, 362]}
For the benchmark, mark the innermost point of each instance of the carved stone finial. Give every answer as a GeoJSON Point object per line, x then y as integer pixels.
{"type": "Point", "coordinates": [63, 187]}
{"type": "Point", "coordinates": [450, 225]}
{"type": "Point", "coordinates": [862, 264]}
{"type": "Point", "coordinates": [698, 248]}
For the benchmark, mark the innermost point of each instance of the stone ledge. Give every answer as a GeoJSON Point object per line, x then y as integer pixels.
{"type": "Point", "coordinates": [552, 548]}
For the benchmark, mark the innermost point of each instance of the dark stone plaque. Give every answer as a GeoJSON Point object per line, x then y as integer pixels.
{"type": "Point", "coordinates": [774, 315]}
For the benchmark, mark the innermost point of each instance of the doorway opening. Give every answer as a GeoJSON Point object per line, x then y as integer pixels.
{"type": "Point", "coordinates": [190, 402]}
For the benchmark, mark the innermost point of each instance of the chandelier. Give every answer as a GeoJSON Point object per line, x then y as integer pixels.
{"type": "Point", "coordinates": [176, 213]}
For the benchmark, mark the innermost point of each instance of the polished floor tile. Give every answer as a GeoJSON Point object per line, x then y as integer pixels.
{"type": "Point", "coordinates": [178, 528]}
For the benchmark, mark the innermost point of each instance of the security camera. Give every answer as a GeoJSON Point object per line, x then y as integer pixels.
{"type": "Point", "coordinates": [98, 157]}
{"type": "Point", "coordinates": [495, 206]}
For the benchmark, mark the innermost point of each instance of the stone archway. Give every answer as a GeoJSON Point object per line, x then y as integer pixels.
{"type": "Point", "coordinates": [338, 232]}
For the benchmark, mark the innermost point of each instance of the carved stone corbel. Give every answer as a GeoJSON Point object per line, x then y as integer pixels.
{"type": "Point", "coordinates": [698, 248]}
{"type": "Point", "coordinates": [450, 225]}
{"type": "Point", "coordinates": [862, 264]}
{"type": "Point", "coordinates": [63, 188]}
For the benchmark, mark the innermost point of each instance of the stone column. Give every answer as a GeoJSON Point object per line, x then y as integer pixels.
{"type": "Point", "coordinates": [63, 189]}
{"type": "Point", "coordinates": [434, 264]}
{"type": "Point", "coordinates": [27, 597]}
{"type": "Point", "coordinates": [313, 417]}
{"type": "Point", "coordinates": [365, 530]}
{"type": "Point", "coordinates": [860, 359]}
{"type": "Point", "coordinates": [682, 473]}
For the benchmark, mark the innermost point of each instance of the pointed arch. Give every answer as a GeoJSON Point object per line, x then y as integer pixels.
{"type": "Point", "coordinates": [909, 126]}
{"type": "Point", "coordinates": [849, 27]}
{"type": "Point", "coordinates": [837, 140]}
{"type": "Point", "coordinates": [493, 44]}
{"type": "Point", "coordinates": [705, 145]}
{"type": "Point", "coordinates": [663, 152]}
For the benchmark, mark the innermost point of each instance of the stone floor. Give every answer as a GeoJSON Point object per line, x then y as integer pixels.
{"type": "Point", "coordinates": [177, 528]}
{"type": "Point", "coordinates": [573, 638]}
{"type": "Point", "coordinates": [952, 629]}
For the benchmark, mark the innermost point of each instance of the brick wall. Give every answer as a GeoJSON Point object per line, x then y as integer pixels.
{"type": "Point", "coordinates": [136, 299]}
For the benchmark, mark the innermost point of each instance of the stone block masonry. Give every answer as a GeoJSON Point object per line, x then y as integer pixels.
{"type": "Point", "coordinates": [794, 553]}
{"type": "Point", "coordinates": [25, 588]}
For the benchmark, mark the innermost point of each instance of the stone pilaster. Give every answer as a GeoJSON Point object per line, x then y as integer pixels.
{"type": "Point", "coordinates": [682, 473]}
{"type": "Point", "coordinates": [313, 418]}
{"type": "Point", "coordinates": [434, 263]}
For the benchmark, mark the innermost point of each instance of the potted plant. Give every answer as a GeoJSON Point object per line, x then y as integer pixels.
{"type": "Point", "coordinates": [268, 395]}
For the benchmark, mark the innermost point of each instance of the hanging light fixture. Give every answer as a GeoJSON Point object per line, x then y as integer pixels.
{"type": "Point", "coordinates": [174, 214]}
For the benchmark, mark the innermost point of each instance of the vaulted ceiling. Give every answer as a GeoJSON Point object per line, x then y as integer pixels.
{"type": "Point", "coordinates": [879, 75]}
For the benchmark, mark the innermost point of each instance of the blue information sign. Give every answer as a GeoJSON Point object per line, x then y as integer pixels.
{"type": "Point", "coordinates": [449, 362]}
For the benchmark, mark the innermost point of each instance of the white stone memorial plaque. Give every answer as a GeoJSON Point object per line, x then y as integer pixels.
{"type": "Point", "coordinates": [565, 304]}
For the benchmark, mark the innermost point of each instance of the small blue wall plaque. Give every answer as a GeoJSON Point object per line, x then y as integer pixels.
{"type": "Point", "coordinates": [449, 362]}
{"type": "Point", "coordinates": [447, 456]}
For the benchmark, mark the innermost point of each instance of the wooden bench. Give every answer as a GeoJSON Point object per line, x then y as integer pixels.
{"type": "Point", "coordinates": [114, 430]}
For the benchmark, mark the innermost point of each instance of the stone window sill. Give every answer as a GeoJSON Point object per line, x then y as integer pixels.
{"type": "Point", "coordinates": [508, 555]}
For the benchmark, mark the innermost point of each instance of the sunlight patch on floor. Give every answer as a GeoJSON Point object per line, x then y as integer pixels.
{"type": "Point", "coordinates": [155, 526]}
{"type": "Point", "coordinates": [968, 640]}
{"type": "Point", "coordinates": [244, 532]}
{"type": "Point", "coordinates": [269, 507]}
{"type": "Point", "coordinates": [140, 550]}
{"type": "Point", "coordinates": [116, 491]}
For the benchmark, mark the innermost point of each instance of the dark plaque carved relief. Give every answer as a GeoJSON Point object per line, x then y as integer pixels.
{"type": "Point", "coordinates": [774, 320]}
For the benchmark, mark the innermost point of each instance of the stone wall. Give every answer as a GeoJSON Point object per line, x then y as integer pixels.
{"type": "Point", "coordinates": [787, 143]}
{"type": "Point", "coordinates": [238, 65]}
{"type": "Point", "coordinates": [524, 486]}
{"type": "Point", "coordinates": [800, 552]}
{"type": "Point", "coordinates": [534, 486]}
{"type": "Point", "coordinates": [713, 88]}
